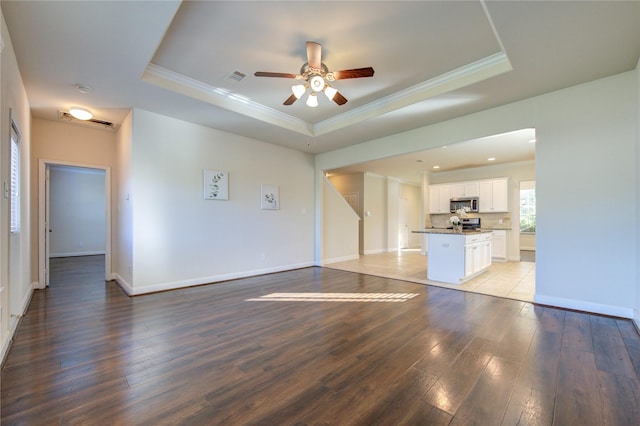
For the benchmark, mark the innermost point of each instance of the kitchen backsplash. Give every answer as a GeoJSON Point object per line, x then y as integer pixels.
{"type": "Point", "coordinates": [488, 220]}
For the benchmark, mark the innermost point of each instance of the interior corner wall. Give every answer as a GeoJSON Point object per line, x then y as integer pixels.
{"type": "Point", "coordinates": [585, 135]}
{"type": "Point", "coordinates": [122, 204]}
{"type": "Point", "coordinates": [182, 239]}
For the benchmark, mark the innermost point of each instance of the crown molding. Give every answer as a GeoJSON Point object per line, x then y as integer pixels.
{"type": "Point", "coordinates": [222, 98]}
{"type": "Point", "coordinates": [474, 72]}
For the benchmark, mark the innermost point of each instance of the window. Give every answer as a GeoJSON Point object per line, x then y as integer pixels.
{"type": "Point", "coordinates": [528, 207]}
{"type": "Point", "coordinates": [14, 201]}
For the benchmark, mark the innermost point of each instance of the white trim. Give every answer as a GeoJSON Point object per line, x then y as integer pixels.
{"type": "Point", "coordinates": [581, 305]}
{"type": "Point", "coordinates": [153, 288]}
{"type": "Point", "coordinates": [42, 166]}
{"type": "Point", "coordinates": [376, 251]}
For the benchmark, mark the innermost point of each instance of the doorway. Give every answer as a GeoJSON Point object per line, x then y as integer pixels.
{"type": "Point", "coordinates": [72, 203]}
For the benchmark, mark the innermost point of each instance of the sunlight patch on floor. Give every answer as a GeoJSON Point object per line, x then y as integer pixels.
{"type": "Point", "coordinates": [334, 297]}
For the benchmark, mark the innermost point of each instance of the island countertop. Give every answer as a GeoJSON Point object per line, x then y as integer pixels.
{"type": "Point", "coordinates": [451, 231]}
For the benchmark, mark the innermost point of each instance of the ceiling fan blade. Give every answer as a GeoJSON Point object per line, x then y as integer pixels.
{"type": "Point", "coordinates": [354, 73]}
{"type": "Point", "coordinates": [290, 100]}
{"type": "Point", "coordinates": [339, 99]}
{"type": "Point", "coordinates": [314, 55]}
{"type": "Point", "coordinates": [275, 74]}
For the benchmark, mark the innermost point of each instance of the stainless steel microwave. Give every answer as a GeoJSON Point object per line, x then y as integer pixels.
{"type": "Point", "coordinates": [470, 204]}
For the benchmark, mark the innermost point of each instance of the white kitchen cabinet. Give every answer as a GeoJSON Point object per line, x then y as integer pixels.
{"type": "Point", "coordinates": [455, 258]}
{"type": "Point", "coordinates": [439, 197]}
{"type": "Point", "coordinates": [465, 189]}
{"type": "Point", "coordinates": [499, 245]}
{"type": "Point", "coordinates": [477, 252]}
{"type": "Point", "coordinates": [472, 189]}
{"type": "Point", "coordinates": [457, 190]}
{"type": "Point", "coordinates": [494, 196]}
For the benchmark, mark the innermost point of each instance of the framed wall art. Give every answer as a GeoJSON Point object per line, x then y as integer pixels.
{"type": "Point", "coordinates": [269, 197]}
{"type": "Point", "coordinates": [215, 185]}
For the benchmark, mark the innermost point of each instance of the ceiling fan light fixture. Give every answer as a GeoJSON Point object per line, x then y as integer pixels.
{"type": "Point", "coordinates": [312, 100]}
{"type": "Point", "coordinates": [298, 90]}
{"type": "Point", "coordinates": [317, 83]}
{"type": "Point", "coordinates": [80, 113]}
{"type": "Point", "coordinates": [330, 92]}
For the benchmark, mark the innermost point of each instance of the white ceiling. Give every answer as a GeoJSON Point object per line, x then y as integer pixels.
{"type": "Point", "coordinates": [433, 60]}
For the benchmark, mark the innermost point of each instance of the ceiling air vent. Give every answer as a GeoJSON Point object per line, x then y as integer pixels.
{"type": "Point", "coordinates": [94, 122]}
{"type": "Point", "coordinates": [236, 76]}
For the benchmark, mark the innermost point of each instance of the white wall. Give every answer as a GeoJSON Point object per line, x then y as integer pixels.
{"type": "Point", "coordinates": [585, 135]}
{"type": "Point", "coordinates": [181, 239]}
{"type": "Point", "coordinates": [77, 211]}
{"type": "Point", "coordinates": [15, 277]}
{"type": "Point", "coordinates": [412, 194]}
{"type": "Point", "coordinates": [637, 113]}
{"type": "Point", "coordinates": [341, 230]}
{"type": "Point", "coordinates": [375, 214]}
{"type": "Point", "coordinates": [62, 143]}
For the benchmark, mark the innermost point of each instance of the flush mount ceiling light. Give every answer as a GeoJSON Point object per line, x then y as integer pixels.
{"type": "Point", "coordinates": [80, 113]}
{"type": "Point", "coordinates": [316, 76]}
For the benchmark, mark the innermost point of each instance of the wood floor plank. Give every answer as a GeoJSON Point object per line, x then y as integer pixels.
{"type": "Point", "coordinates": [610, 351]}
{"type": "Point", "coordinates": [85, 353]}
{"type": "Point", "coordinates": [487, 401]}
{"type": "Point", "coordinates": [578, 397]}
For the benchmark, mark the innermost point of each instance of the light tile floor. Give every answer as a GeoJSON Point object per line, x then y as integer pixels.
{"type": "Point", "coordinates": [512, 280]}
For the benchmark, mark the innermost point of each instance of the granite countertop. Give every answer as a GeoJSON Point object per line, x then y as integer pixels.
{"type": "Point", "coordinates": [451, 231]}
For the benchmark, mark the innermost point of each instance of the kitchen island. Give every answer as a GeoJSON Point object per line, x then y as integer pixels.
{"type": "Point", "coordinates": [456, 257]}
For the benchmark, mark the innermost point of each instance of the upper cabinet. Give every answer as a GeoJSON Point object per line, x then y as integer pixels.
{"type": "Point", "coordinates": [439, 196]}
{"type": "Point", "coordinates": [492, 194]}
{"type": "Point", "coordinates": [465, 189]}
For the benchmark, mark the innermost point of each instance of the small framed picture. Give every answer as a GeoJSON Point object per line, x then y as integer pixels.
{"type": "Point", "coordinates": [215, 185]}
{"type": "Point", "coordinates": [269, 197]}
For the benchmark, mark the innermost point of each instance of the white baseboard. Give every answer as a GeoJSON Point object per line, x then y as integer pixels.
{"type": "Point", "coordinates": [339, 259]}
{"type": "Point", "coordinates": [581, 305]}
{"type": "Point", "coordinates": [375, 251]}
{"type": "Point", "coordinates": [124, 284]}
{"type": "Point", "coordinates": [153, 288]}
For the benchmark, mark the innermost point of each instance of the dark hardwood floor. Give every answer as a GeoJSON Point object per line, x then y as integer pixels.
{"type": "Point", "coordinates": [360, 350]}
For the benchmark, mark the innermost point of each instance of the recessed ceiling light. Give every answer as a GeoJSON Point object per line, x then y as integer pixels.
{"type": "Point", "coordinates": [491, 159]}
{"type": "Point", "coordinates": [80, 113]}
{"type": "Point", "coordinates": [532, 141]}
{"type": "Point", "coordinates": [444, 147]}
{"type": "Point", "coordinates": [436, 167]}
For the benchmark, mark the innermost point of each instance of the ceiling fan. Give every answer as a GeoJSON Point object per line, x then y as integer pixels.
{"type": "Point", "coordinates": [316, 75]}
